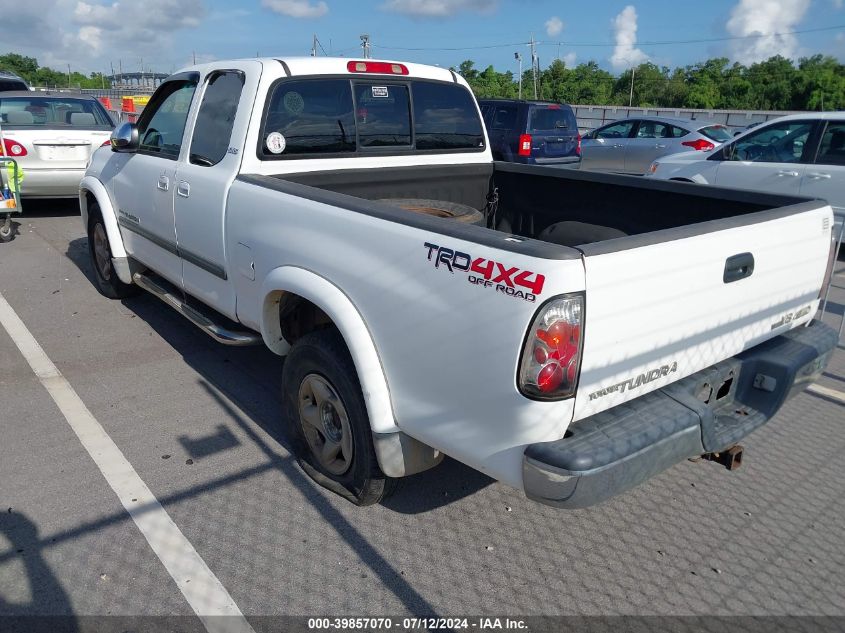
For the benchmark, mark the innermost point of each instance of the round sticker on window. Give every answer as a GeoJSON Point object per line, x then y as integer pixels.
{"type": "Point", "coordinates": [294, 103]}
{"type": "Point", "coordinates": [276, 143]}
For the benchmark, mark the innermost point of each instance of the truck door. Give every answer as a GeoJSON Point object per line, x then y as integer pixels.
{"type": "Point", "coordinates": [203, 178]}
{"type": "Point", "coordinates": [144, 181]}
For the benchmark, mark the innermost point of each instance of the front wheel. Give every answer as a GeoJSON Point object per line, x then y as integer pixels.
{"type": "Point", "coordinates": [327, 419]}
{"type": "Point", "coordinates": [99, 250]}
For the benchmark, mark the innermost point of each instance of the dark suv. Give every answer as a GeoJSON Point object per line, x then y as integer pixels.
{"type": "Point", "coordinates": [10, 81]}
{"type": "Point", "coordinates": [532, 132]}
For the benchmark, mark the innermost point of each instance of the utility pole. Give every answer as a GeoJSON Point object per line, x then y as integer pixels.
{"type": "Point", "coordinates": [68, 75]}
{"type": "Point", "coordinates": [365, 44]}
{"type": "Point", "coordinates": [534, 64]}
{"type": "Point", "coordinates": [631, 97]}
{"type": "Point", "coordinates": [195, 57]}
{"type": "Point", "coordinates": [518, 57]}
{"type": "Point", "coordinates": [314, 46]}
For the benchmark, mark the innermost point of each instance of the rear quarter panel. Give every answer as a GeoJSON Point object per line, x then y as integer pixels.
{"type": "Point", "coordinates": [448, 348]}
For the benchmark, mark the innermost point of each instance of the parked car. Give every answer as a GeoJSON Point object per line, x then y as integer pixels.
{"type": "Point", "coordinates": [797, 154]}
{"type": "Point", "coordinates": [10, 81]}
{"type": "Point", "coordinates": [615, 327]}
{"type": "Point", "coordinates": [630, 145]}
{"type": "Point", "coordinates": [531, 132]}
{"type": "Point", "coordinates": [52, 136]}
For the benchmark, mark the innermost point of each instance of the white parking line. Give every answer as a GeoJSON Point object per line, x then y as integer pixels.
{"type": "Point", "coordinates": [201, 588]}
{"type": "Point", "coordinates": [830, 393]}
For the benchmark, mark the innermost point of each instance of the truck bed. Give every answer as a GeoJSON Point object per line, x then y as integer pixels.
{"type": "Point", "coordinates": [533, 198]}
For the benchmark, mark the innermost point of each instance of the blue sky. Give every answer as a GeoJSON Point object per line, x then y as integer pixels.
{"type": "Point", "coordinates": [92, 34]}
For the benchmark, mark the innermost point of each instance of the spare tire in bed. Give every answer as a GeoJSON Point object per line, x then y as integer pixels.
{"type": "Point", "coordinates": [576, 233]}
{"type": "Point", "coordinates": [439, 208]}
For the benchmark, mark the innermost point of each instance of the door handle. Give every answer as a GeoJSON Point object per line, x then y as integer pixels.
{"type": "Point", "coordinates": [184, 189]}
{"type": "Point", "coordinates": [163, 183]}
{"type": "Point", "coordinates": [787, 172]}
{"type": "Point", "coordinates": [738, 267]}
{"type": "Point", "coordinates": [818, 176]}
{"type": "Point", "coordinates": [660, 146]}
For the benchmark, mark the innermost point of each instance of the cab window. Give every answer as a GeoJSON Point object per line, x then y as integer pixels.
{"type": "Point", "coordinates": [162, 124]}
{"type": "Point", "coordinates": [310, 116]}
{"type": "Point", "coordinates": [382, 115]}
{"type": "Point", "coordinates": [216, 118]}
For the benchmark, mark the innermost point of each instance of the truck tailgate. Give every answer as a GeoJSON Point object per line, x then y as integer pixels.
{"type": "Point", "coordinates": [664, 305]}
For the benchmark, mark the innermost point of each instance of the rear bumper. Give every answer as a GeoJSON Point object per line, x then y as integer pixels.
{"type": "Point", "coordinates": [561, 160]}
{"type": "Point", "coordinates": [709, 411]}
{"type": "Point", "coordinates": [51, 183]}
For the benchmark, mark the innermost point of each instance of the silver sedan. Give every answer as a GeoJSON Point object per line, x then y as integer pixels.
{"type": "Point", "coordinates": [629, 146]}
{"type": "Point", "coordinates": [52, 136]}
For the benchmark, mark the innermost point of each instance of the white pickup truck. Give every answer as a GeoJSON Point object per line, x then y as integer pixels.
{"type": "Point", "coordinates": [570, 334]}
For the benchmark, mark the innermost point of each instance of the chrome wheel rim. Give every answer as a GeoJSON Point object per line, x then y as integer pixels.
{"type": "Point", "coordinates": [102, 254]}
{"type": "Point", "coordinates": [325, 424]}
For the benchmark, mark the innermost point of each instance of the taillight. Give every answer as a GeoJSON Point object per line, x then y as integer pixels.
{"type": "Point", "coordinates": [578, 146]}
{"type": "Point", "coordinates": [381, 68]}
{"type": "Point", "coordinates": [525, 145]}
{"type": "Point", "coordinates": [551, 357]}
{"type": "Point", "coordinates": [108, 142]}
{"type": "Point", "coordinates": [699, 144]}
{"type": "Point", "coordinates": [12, 148]}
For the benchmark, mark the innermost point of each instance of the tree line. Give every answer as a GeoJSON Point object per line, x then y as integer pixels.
{"type": "Point", "coordinates": [29, 70]}
{"type": "Point", "coordinates": [814, 83]}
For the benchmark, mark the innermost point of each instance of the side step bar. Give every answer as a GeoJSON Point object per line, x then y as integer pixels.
{"type": "Point", "coordinates": [219, 333]}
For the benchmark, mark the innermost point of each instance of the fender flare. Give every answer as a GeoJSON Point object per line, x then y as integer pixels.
{"type": "Point", "coordinates": [340, 309]}
{"type": "Point", "coordinates": [93, 186]}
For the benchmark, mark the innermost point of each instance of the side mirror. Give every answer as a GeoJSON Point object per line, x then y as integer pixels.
{"type": "Point", "coordinates": [125, 138]}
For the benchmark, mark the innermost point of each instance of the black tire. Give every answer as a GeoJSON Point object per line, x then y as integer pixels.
{"type": "Point", "coordinates": [323, 356]}
{"type": "Point", "coordinates": [7, 232]}
{"type": "Point", "coordinates": [105, 276]}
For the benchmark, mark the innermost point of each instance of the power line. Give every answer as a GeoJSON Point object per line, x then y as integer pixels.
{"type": "Point", "coordinates": [611, 44]}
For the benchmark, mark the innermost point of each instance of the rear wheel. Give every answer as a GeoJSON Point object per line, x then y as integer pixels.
{"type": "Point", "coordinates": [6, 230]}
{"type": "Point", "coordinates": [327, 419]}
{"type": "Point", "coordinates": [99, 249]}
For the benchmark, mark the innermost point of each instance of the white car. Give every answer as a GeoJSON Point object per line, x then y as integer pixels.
{"type": "Point", "coordinates": [797, 154]}
{"type": "Point", "coordinates": [52, 137]}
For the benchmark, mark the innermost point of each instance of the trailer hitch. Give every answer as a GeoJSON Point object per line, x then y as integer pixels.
{"type": "Point", "coordinates": [730, 458]}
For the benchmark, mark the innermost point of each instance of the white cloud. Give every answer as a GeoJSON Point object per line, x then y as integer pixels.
{"type": "Point", "coordinates": [297, 8]}
{"type": "Point", "coordinates": [837, 4]}
{"type": "Point", "coordinates": [625, 53]}
{"type": "Point", "coordinates": [569, 59]}
{"type": "Point", "coordinates": [90, 34]}
{"type": "Point", "coordinates": [439, 8]}
{"type": "Point", "coordinates": [769, 21]}
{"type": "Point", "coordinates": [554, 26]}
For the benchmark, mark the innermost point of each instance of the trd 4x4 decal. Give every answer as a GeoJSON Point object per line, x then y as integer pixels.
{"type": "Point", "coordinates": [508, 280]}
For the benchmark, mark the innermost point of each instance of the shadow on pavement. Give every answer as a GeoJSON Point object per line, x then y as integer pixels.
{"type": "Point", "coordinates": [47, 596]}
{"type": "Point", "coordinates": [223, 377]}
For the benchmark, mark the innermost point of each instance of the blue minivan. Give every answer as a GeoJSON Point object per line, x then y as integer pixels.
{"type": "Point", "coordinates": [531, 132]}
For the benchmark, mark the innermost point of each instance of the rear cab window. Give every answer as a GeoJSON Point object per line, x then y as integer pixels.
{"type": "Point", "coordinates": [320, 117]}
{"type": "Point", "coordinates": [551, 118]}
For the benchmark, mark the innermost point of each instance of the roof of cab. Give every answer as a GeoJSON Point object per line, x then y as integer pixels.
{"type": "Point", "coordinates": [304, 66]}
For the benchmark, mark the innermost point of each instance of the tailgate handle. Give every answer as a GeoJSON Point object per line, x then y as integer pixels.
{"type": "Point", "coordinates": [738, 267]}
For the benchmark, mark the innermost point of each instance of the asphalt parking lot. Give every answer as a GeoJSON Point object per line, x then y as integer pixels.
{"type": "Point", "coordinates": [199, 424]}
